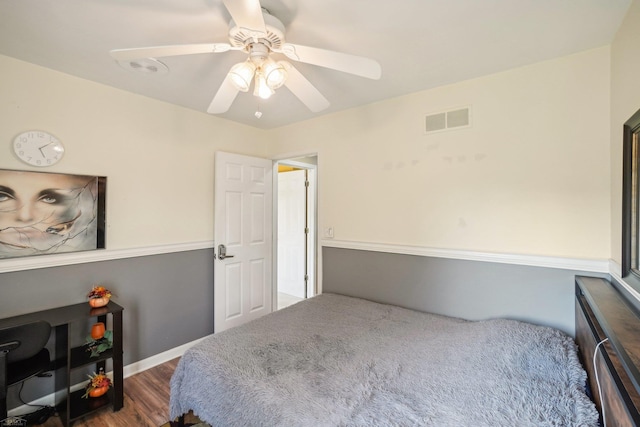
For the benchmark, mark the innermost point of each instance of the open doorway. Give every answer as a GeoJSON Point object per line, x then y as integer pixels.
{"type": "Point", "coordinates": [297, 230]}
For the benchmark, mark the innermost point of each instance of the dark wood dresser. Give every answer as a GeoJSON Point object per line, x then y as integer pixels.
{"type": "Point", "coordinates": [603, 312]}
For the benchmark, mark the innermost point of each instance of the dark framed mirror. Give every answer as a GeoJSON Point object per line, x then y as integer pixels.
{"type": "Point", "coordinates": [631, 200]}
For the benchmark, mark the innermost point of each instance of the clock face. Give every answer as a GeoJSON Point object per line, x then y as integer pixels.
{"type": "Point", "coordinates": [38, 148]}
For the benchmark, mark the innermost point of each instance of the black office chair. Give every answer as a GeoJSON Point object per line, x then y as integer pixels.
{"type": "Point", "coordinates": [22, 355]}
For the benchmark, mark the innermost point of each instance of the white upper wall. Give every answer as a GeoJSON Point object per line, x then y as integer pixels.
{"type": "Point", "coordinates": [625, 101]}
{"type": "Point", "coordinates": [158, 158]}
{"type": "Point", "coordinates": [531, 176]}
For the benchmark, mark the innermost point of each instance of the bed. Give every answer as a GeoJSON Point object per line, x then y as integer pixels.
{"type": "Point", "coordinates": [334, 360]}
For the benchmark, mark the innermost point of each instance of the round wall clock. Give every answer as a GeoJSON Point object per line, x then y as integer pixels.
{"type": "Point", "coordinates": [38, 148]}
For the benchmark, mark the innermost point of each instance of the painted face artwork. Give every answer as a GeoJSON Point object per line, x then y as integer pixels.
{"type": "Point", "coordinates": [42, 213]}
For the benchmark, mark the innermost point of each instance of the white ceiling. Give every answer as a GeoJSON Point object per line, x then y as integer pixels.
{"type": "Point", "coordinates": [420, 44]}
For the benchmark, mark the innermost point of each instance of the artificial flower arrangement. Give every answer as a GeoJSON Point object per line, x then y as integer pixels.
{"type": "Point", "coordinates": [99, 296]}
{"type": "Point", "coordinates": [99, 292]}
{"type": "Point", "coordinates": [98, 385]}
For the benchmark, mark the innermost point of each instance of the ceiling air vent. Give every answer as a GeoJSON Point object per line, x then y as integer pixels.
{"type": "Point", "coordinates": [448, 120]}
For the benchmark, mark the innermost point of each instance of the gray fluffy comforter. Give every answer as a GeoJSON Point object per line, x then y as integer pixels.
{"type": "Point", "coordinates": [339, 361]}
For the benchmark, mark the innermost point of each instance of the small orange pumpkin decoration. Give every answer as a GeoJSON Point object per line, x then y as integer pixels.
{"type": "Point", "coordinates": [98, 385]}
{"type": "Point", "coordinates": [97, 330]}
{"type": "Point", "coordinates": [99, 296]}
{"type": "Point", "coordinates": [98, 302]}
{"type": "Point", "coordinates": [97, 392]}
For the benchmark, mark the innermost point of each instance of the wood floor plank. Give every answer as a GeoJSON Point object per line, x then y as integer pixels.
{"type": "Point", "coordinates": [146, 402]}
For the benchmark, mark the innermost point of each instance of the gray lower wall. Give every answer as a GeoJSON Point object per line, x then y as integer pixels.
{"type": "Point", "coordinates": [473, 290]}
{"type": "Point", "coordinates": [167, 300]}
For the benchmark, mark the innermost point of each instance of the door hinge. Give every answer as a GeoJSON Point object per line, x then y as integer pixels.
{"type": "Point", "coordinates": [306, 183]}
{"type": "Point", "coordinates": [306, 277]}
{"type": "Point", "coordinates": [306, 230]}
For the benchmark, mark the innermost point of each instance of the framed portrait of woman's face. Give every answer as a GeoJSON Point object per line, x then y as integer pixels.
{"type": "Point", "coordinates": [49, 213]}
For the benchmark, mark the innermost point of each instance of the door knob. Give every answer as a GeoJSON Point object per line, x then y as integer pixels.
{"type": "Point", "coordinates": [222, 252]}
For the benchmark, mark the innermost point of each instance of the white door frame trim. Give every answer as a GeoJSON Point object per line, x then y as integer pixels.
{"type": "Point", "coordinates": [290, 161]}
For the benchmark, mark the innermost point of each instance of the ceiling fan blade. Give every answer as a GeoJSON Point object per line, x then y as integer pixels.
{"type": "Point", "coordinates": [171, 50]}
{"type": "Point", "coordinates": [304, 90]}
{"type": "Point", "coordinates": [247, 14]}
{"type": "Point", "coordinates": [351, 64]}
{"type": "Point", "coordinates": [224, 98]}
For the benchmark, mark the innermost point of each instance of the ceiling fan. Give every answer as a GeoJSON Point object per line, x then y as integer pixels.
{"type": "Point", "coordinates": [258, 33]}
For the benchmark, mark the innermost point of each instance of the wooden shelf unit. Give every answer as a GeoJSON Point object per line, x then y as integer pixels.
{"type": "Point", "coordinates": [66, 358]}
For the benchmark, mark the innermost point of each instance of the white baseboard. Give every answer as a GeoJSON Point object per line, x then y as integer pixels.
{"type": "Point", "coordinates": [53, 398]}
{"type": "Point", "coordinates": [158, 359]}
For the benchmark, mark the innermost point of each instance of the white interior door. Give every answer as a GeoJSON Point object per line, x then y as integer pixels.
{"type": "Point", "coordinates": [292, 212]}
{"type": "Point", "coordinates": [243, 224]}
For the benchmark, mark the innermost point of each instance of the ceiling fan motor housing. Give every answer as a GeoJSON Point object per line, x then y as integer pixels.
{"type": "Point", "coordinates": [258, 53]}
{"type": "Point", "coordinates": [243, 38]}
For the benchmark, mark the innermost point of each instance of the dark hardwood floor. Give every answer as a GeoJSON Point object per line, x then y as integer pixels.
{"type": "Point", "coordinates": [146, 402]}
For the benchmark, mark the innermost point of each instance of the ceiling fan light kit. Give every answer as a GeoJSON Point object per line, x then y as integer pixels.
{"type": "Point", "coordinates": [241, 75]}
{"type": "Point", "coordinates": [261, 89]}
{"type": "Point", "coordinates": [275, 73]}
{"type": "Point", "coordinates": [258, 33]}
{"type": "Point", "coordinates": [268, 74]}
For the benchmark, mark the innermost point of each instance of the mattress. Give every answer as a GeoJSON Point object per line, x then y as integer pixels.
{"type": "Point", "coordinates": [334, 360]}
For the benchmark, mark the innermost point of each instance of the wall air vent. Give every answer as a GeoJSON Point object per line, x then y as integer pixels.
{"type": "Point", "coordinates": [448, 120]}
